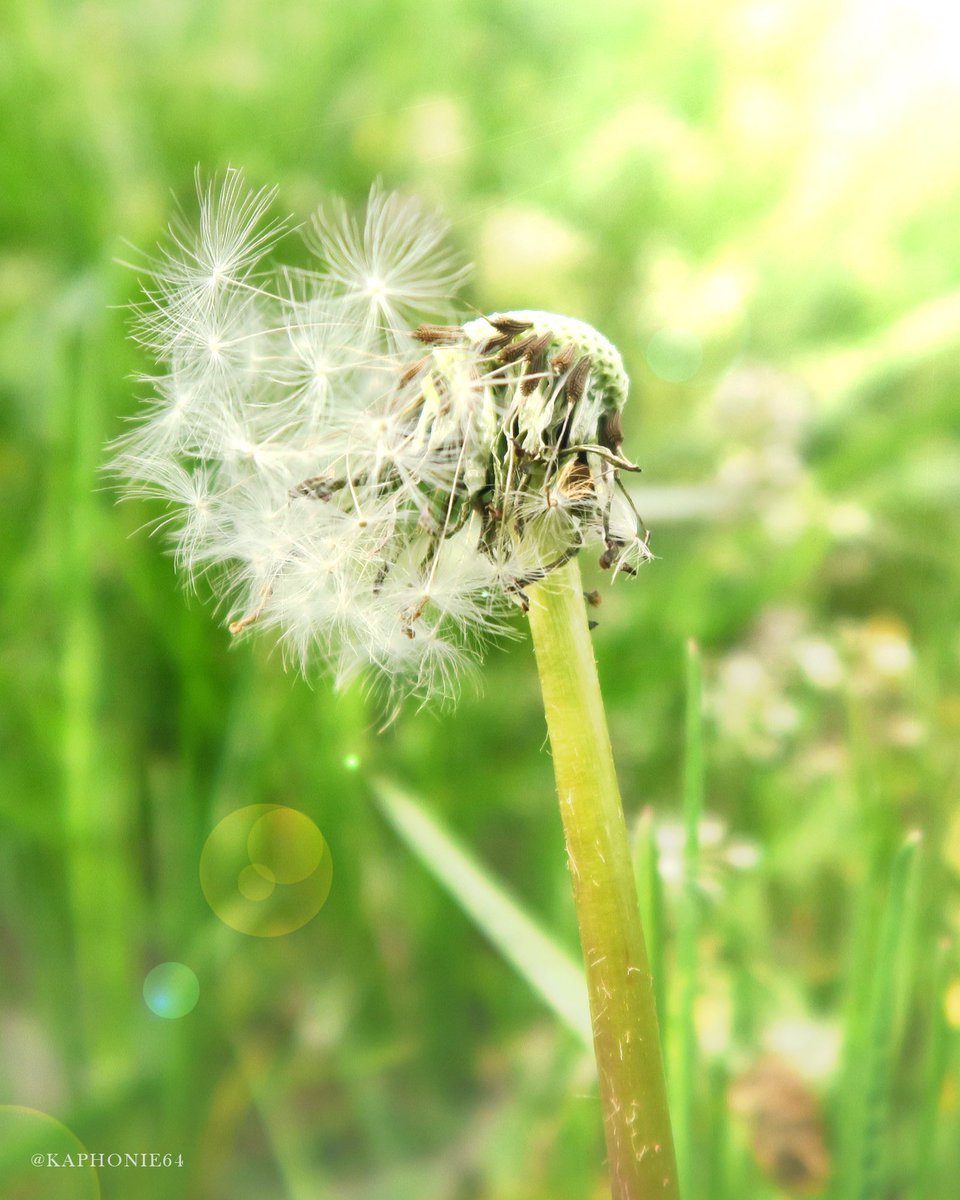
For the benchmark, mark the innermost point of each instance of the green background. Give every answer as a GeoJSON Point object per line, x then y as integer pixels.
{"type": "Point", "coordinates": [758, 202]}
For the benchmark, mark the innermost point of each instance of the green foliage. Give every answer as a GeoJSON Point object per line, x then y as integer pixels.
{"type": "Point", "coordinates": [548, 969]}
{"type": "Point", "coordinates": [773, 187]}
{"type": "Point", "coordinates": [874, 1037]}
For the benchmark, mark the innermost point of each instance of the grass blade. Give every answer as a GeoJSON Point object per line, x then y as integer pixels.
{"type": "Point", "coordinates": [688, 931]}
{"type": "Point", "coordinates": [646, 865]}
{"type": "Point", "coordinates": [935, 1070]}
{"type": "Point", "coordinates": [872, 1062]}
{"type": "Point", "coordinates": [97, 816]}
{"type": "Point", "coordinates": [548, 969]}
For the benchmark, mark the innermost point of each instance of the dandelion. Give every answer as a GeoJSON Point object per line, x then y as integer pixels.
{"type": "Point", "coordinates": [378, 488]}
{"type": "Point", "coordinates": [383, 486]}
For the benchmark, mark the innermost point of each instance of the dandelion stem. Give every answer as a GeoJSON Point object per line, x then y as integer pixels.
{"type": "Point", "coordinates": [625, 1034]}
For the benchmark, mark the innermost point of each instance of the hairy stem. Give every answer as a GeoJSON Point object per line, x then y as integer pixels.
{"type": "Point", "coordinates": [625, 1034]}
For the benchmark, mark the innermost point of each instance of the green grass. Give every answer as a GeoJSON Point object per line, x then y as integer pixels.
{"type": "Point", "coordinates": [643, 167]}
{"type": "Point", "coordinates": [874, 1040]}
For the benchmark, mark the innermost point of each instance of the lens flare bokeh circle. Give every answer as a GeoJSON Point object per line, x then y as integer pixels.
{"type": "Point", "coordinates": [266, 870]}
{"type": "Point", "coordinates": [34, 1153]}
{"type": "Point", "coordinates": [171, 990]}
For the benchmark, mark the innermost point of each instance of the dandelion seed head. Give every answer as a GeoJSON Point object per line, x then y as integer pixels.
{"type": "Point", "coordinates": [376, 489]}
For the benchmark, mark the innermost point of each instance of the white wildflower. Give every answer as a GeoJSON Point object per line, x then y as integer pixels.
{"type": "Point", "coordinates": [720, 852]}
{"type": "Point", "coordinates": [820, 663]}
{"type": "Point", "coordinates": [375, 488]}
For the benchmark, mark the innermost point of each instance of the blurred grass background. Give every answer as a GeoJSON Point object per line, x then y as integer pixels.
{"type": "Point", "coordinates": [758, 201]}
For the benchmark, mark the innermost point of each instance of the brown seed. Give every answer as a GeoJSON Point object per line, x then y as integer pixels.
{"type": "Point", "coordinates": [518, 350]}
{"type": "Point", "coordinates": [509, 324]}
{"type": "Point", "coordinates": [410, 374]}
{"type": "Point", "coordinates": [538, 347]}
{"type": "Point", "coordinates": [563, 358]}
{"type": "Point", "coordinates": [320, 487]}
{"type": "Point", "coordinates": [577, 380]}
{"type": "Point", "coordinates": [536, 356]}
{"type": "Point", "coordinates": [439, 335]}
{"type": "Point", "coordinates": [611, 432]}
{"type": "Point", "coordinates": [496, 343]}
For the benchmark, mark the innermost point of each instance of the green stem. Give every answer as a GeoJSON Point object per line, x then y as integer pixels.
{"type": "Point", "coordinates": [625, 1034]}
{"type": "Point", "coordinates": [688, 931]}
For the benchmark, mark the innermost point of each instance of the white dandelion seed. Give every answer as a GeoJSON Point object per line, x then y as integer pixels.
{"type": "Point", "coordinates": [375, 489]}
{"type": "Point", "coordinates": [393, 268]}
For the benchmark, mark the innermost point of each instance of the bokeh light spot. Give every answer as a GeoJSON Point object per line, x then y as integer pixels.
{"type": "Point", "coordinates": [674, 355]}
{"type": "Point", "coordinates": [171, 990]}
{"type": "Point", "coordinates": [951, 1004]}
{"type": "Point", "coordinates": [352, 762]}
{"type": "Point", "coordinates": [27, 1137]}
{"type": "Point", "coordinates": [286, 845]}
{"type": "Point", "coordinates": [256, 882]}
{"type": "Point", "coordinates": [266, 870]}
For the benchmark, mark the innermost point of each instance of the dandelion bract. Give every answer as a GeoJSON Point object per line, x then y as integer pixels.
{"type": "Point", "coordinates": [351, 465]}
